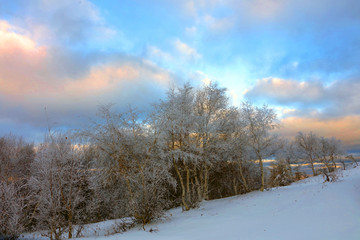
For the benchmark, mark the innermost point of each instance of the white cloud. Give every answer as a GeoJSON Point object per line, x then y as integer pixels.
{"type": "Point", "coordinates": [191, 31]}
{"type": "Point", "coordinates": [218, 25]}
{"type": "Point", "coordinates": [156, 53]}
{"type": "Point", "coordinates": [286, 91]}
{"type": "Point", "coordinates": [186, 51]}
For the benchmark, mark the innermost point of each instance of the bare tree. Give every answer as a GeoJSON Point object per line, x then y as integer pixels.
{"type": "Point", "coordinates": [130, 155]}
{"type": "Point", "coordinates": [309, 146]}
{"type": "Point", "coordinates": [175, 119]}
{"type": "Point", "coordinates": [15, 159]}
{"type": "Point", "coordinates": [213, 127]}
{"type": "Point", "coordinates": [288, 153]}
{"type": "Point", "coordinates": [259, 122]}
{"type": "Point", "coordinates": [12, 205]}
{"type": "Point", "coordinates": [56, 182]}
{"type": "Point", "coordinates": [336, 150]}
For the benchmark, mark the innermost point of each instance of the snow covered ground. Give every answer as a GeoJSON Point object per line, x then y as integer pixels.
{"type": "Point", "coordinates": [309, 209]}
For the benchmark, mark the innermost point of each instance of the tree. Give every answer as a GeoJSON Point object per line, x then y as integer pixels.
{"type": "Point", "coordinates": [287, 153]}
{"type": "Point", "coordinates": [308, 144]}
{"type": "Point", "coordinates": [130, 157]}
{"type": "Point", "coordinates": [259, 122]}
{"type": "Point", "coordinates": [12, 204]}
{"type": "Point", "coordinates": [175, 120]}
{"type": "Point", "coordinates": [16, 157]}
{"type": "Point", "coordinates": [56, 182]}
{"type": "Point", "coordinates": [212, 128]}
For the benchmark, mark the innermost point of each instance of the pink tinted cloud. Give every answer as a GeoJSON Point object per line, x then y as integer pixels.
{"type": "Point", "coordinates": [29, 80]}
{"type": "Point", "coordinates": [345, 128]}
{"type": "Point", "coordinates": [21, 62]}
{"type": "Point", "coordinates": [286, 90]}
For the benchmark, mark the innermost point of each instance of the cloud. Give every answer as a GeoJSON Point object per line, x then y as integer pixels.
{"type": "Point", "coordinates": [186, 51]}
{"type": "Point", "coordinates": [191, 31]}
{"type": "Point", "coordinates": [126, 82]}
{"type": "Point", "coordinates": [328, 110]}
{"type": "Point", "coordinates": [20, 58]}
{"type": "Point", "coordinates": [62, 22]}
{"type": "Point", "coordinates": [31, 78]}
{"type": "Point", "coordinates": [287, 91]}
{"type": "Point", "coordinates": [218, 25]}
{"type": "Point", "coordinates": [345, 128]}
{"type": "Point", "coordinates": [337, 99]}
{"type": "Point", "coordinates": [155, 53]}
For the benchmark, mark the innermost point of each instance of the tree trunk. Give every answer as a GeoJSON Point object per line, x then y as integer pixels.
{"type": "Point", "coordinates": [185, 206]}
{"type": "Point", "coordinates": [235, 188]}
{"type": "Point", "coordinates": [312, 166]}
{"type": "Point", "coordinates": [243, 177]}
{"type": "Point", "coordinates": [333, 161]}
{"type": "Point", "coordinates": [262, 174]}
{"type": "Point", "coordinates": [188, 195]}
{"type": "Point", "coordinates": [206, 183]}
{"type": "Point", "coordinates": [326, 164]}
{"type": "Point", "coordinates": [198, 186]}
{"type": "Point", "coordinates": [70, 224]}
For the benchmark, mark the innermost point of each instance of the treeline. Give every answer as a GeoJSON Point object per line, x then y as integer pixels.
{"type": "Point", "coordinates": [193, 146]}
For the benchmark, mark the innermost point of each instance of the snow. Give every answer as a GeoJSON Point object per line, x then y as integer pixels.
{"type": "Point", "coordinates": [308, 209]}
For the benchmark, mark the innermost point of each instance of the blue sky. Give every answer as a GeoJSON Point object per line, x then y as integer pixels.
{"type": "Point", "coordinates": [300, 57]}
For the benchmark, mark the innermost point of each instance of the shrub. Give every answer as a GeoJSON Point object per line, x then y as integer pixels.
{"type": "Point", "coordinates": [280, 174]}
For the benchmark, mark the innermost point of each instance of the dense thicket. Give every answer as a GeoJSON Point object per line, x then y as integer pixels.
{"type": "Point", "coordinates": [193, 146]}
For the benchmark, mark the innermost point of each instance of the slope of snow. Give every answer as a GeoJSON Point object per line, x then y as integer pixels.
{"type": "Point", "coordinates": [309, 209]}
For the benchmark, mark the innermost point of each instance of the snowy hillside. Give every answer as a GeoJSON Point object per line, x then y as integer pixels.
{"type": "Point", "coordinates": [309, 209]}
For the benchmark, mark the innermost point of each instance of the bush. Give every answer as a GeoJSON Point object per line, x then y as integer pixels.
{"type": "Point", "coordinates": [280, 174]}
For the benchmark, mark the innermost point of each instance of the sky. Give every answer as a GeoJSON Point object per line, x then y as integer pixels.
{"type": "Point", "coordinates": [61, 60]}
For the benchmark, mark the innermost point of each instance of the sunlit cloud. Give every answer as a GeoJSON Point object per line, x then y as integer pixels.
{"type": "Point", "coordinates": [337, 99]}
{"type": "Point", "coordinates": [345, 128]}
{"type": "Point", "coordinates": [299, 57]}
{"type": "Point", "coordinates": [29, 82]}
{"type": "Point", "coordinates": [286, 91]}
{"type": "Point", "coordinates": [21, 59]}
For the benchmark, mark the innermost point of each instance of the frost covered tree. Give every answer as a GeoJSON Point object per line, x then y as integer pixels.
{"type": "Point", "coordinates": [287, 152]}
{"type": "Point", "coordinates": [212, 128]}
{"type": "Point", "coordinates": [56, 183]}
{"type": "Point", "coordinates": [175, 119]}
{"type": "Point", "coordinates": [238, 151]}
{"type": "Point", "coordinates": [309, 147]}
{"type": "Point", "coordinates": [336, 150]}
{"type": "Point", "coordinates": [131, 162]}
{"type": "Point", "coordinates": [259, 123]}
{"type": "Point", "coordinates": [16, 157]}
{"type": "Point", "coordinates": [12, 204]}
{"type": "Point", "coordinates": [329, 151]}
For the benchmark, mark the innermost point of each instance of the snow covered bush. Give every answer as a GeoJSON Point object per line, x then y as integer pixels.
{"type": "Point", "coordinates": [280, 174]}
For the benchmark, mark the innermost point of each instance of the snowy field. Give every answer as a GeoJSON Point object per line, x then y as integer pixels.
{"type": "Point", "coordinates": [309, 209]}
